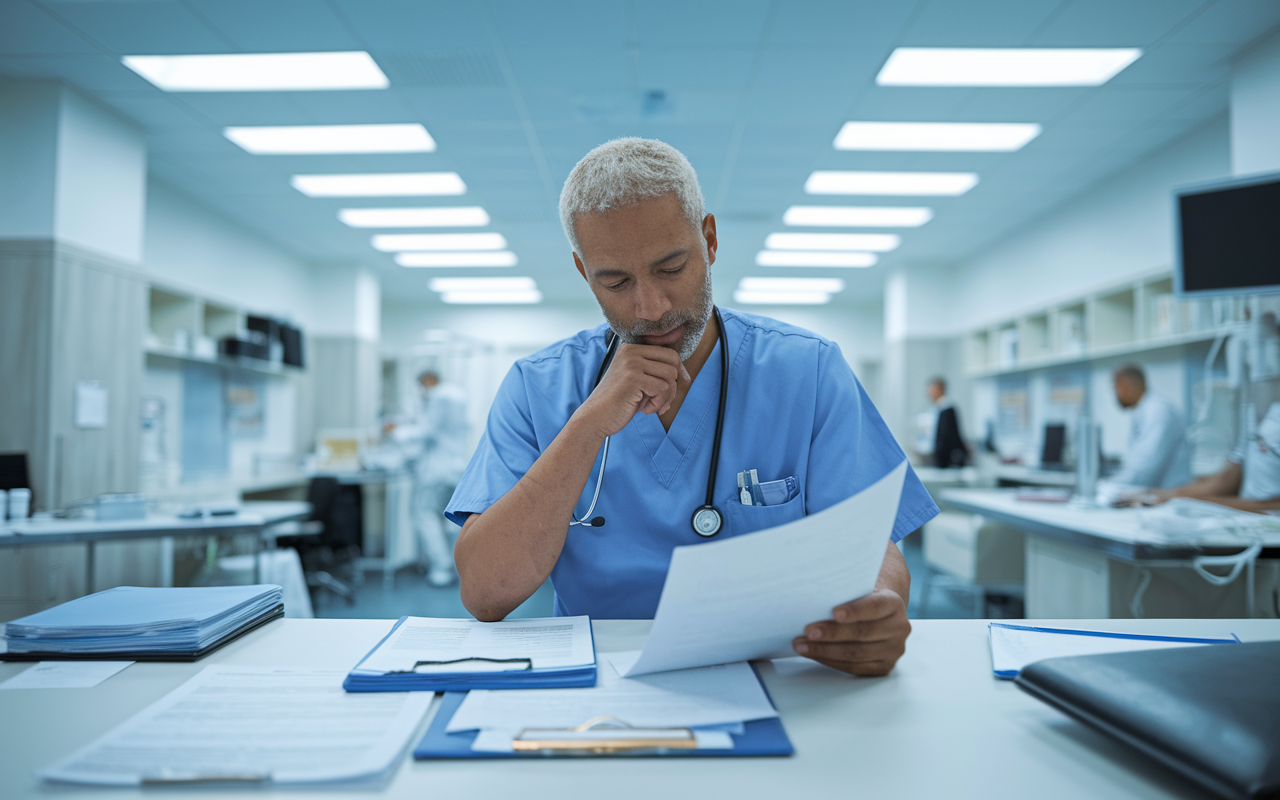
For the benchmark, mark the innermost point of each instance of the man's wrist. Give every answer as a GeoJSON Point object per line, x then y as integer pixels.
{"type": "Point", "coordinates": [582, 427]}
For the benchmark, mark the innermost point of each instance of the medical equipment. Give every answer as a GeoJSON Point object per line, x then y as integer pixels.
{"type": "Point", "coordinates": [707, 520]}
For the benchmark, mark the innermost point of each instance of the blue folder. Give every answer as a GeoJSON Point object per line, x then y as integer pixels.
{"type": "Point", "coordinates": [569, 677]}
{"type": "Point", "coordinates": [761, 737]}
{"type": "Point", "coordinates": [1013, 673]}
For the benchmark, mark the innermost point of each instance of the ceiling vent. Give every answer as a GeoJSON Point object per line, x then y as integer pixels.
{"type": "Point", "coordinates": [453, 71]}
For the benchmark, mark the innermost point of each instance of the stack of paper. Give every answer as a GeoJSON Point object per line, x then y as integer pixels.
{"type": "Point", "coordinates": [724, 705]}
{"type": "Point", "coordinates": [445, 655]}
{"type": "Point", "coordinates": [251, 726]}
{"type": "Point", "coordinates": [141, 623]}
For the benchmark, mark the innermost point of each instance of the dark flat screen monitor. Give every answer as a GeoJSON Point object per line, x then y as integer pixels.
{"type": "Point", "coordinates": [1228, 236]}
{"type": "Point", "coordinates": [1055, 436]}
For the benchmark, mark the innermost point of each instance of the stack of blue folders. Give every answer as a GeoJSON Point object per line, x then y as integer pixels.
{"type": "Point", "coordinates": [143, 624]}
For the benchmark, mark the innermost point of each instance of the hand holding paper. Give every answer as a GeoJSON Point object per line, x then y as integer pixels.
{"type": "Point", "coordinates": [747, 597]}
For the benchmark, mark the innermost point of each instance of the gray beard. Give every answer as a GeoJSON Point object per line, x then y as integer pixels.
{"type": "Point", "coordinates": [695, 322]}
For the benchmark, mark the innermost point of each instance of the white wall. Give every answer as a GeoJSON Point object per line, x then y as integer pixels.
{"type": "Point", "coordinates": [70, 170]}
{"type": "Point", "coordinates": [1120, 229]}
{"type": "Point", "coordinates": [192, 247]}
{"type": "Point", "coordinates": [1255, 109]}
{"type": "Point", "coordinates": [101, 179]}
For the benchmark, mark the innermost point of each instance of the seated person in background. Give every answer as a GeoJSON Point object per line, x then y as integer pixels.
{"type": "Point", "coordinates": [938, 436]}
{"type": "Point", "coordinates": [1159, 456]}
{"type": "Point", "coordinates": [1250, 481]}
{"type": "Point", "coordinates": [643, 243]}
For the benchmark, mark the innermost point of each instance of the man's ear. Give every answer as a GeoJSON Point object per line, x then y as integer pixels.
{"type": "Point", "coordinates": [577, 262]}
{"type": "Point", "coordinates": [709, 233]}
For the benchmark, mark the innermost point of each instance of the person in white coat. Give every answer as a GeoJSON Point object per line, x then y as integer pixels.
{"type": "Point", "coordinates": [436, 437]}
{"type": "Point", "coordinates": [1159, 455]}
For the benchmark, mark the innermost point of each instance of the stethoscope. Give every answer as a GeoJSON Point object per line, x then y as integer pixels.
{"type": "Point", "coordinates": [707, 520]}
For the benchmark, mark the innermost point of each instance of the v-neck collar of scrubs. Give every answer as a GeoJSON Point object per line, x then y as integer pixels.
{"type": "Point", "coordinates": [695, 419]}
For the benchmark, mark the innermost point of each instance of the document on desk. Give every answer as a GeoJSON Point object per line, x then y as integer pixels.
{"type": "Point", "coordinates": [1015, 646]}
{"type": "Point", "coordinates": [252, 725]}
{"type": "Point", "coordinates": [748, 597]}
{"type": "Point", "coordinates": [64, 675]}
{"type": "Point", "coordinates": [547, 643]}
{"type": "Point", "coordinates": [428, 654]}
{"type": "Point", "coordinates": [725, 695]}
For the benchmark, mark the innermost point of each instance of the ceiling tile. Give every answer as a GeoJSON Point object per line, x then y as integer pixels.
{"type": "Point", "coordinates": [143, 27]}
{"type": "Point", "coordinates": [279, 26]}
{"type": "Point", "coordinates": [28, 29]}
{"type": "Point", "coordinates": [1107, 23]}
{"type": "Point", "coordinates": [989, 23]}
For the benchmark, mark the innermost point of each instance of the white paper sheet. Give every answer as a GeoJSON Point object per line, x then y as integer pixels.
{"type": "Point", "coordinates": [287, 726]}
{"type": "Point", "coordinates": [1013, 648]}
{"type": "Point", "coordinates": [749, 596]}
{"type": "Point", "coordinates": [550, 642]}
{"type": "Point", "coordinates": [683, 699]}
{"type": "Point", "coordinates": [65, 675]}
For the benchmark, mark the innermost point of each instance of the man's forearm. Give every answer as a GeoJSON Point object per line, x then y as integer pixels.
{"type": "Point", "coordinates": [505, 554]}
{"type": "Point", "coordinates": [894, 574]}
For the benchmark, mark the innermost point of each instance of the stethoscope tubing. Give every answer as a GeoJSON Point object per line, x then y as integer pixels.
{"type": "Point", "coordinates": [611, 349]}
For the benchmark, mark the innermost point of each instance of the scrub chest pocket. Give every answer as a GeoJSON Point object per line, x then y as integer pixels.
{"type": "Point", "coordinates": [740, 519]}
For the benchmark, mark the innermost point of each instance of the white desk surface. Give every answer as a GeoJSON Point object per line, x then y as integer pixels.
{"type": "Point", "coordinates": [939, 726]}
{"type": "Point", "coordinates": [251, 517]}
{"type": "Point", "coordinates": [1116, 531]}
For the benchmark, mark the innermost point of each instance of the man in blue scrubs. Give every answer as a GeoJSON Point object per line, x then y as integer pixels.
{"type": "Point", "coordinates": [634, 216]}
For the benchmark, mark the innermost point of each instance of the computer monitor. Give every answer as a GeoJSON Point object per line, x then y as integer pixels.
{"type": "Point", "coordinates": [13, 471]}
{"type": "Point", "coordinates": [1055, 436]}
{"type": "Point", "coordinates": [1227, 239]}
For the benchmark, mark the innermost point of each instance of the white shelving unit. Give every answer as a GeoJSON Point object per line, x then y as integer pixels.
{"type": "Point", "coordinates": [1133, 317]}
{"type": "Point", "coordinates": [184, 328]}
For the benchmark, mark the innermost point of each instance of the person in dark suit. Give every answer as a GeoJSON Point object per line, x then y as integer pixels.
{"type": "Point", "coordinates": [949, 449]}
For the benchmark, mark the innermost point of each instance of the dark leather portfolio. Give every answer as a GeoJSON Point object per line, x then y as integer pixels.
{"type": "Point", "coordinates": [1210, 713]}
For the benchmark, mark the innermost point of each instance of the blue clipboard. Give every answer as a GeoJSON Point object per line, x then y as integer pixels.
{"type": "Point", "coordinates": [761, 737]}
{"type": "Point", "coordinates": [570, 677]}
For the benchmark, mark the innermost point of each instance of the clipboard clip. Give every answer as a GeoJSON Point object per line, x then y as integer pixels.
{"type": "Point", "coordinates": [473, 664]}
{"type": "Point", "coordinates": [603, 736]}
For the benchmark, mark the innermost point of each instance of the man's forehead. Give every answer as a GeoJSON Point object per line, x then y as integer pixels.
{"type": "Point", "coordinates": [639, 235]}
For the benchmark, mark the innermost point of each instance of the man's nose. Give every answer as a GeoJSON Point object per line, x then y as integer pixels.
{"type": "Point", "coordinates": [651, 302]}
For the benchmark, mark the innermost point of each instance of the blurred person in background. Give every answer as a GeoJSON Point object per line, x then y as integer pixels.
{"type": "Point", "coordinates": [938, 438]}
{"type": "Point", "coordinates": [436, 438]}
{"type": "Point", "coordinates": [1159, 455]}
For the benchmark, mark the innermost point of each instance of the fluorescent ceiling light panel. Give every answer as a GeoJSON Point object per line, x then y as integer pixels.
{"type": "Point", "coordinates": [749, 297]}
{"type": "Point", "coordinates": [439, 217]}
{"type": "Point", "coordinates": [522, 284]}
{"type": "Point", "coordinates": [260, 72]}
{"type": "Point", "coordinates": [326, 139]}
{"type": "Point", "coordinates": [977, 66]}
{"type": "Point", "coordinates": [814, 258]}
{"type": "Point", "coordinates": [857, 216]}
{"type": "Point", "coordinates": [391, 184]}
{"type": "Point", "coordinates": [827, 285]}
{"type": "Point", "coordinates": [399, 242]}
{"type": "Point", "coordinates": [890, 183]}
{"type": "Point", "coordinates": [500, 258]}
{"type": "Point", "coordinates": [874, 242]}
{"type": "Point", "coordinates": [492, 298]}
{"type": "Point", "coordinates": [967, 136]}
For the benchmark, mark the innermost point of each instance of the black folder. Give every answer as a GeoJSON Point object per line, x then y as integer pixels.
{"type": "Point", "coordinates": [1210, 713]}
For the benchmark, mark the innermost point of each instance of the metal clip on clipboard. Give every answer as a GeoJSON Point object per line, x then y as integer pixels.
{"type": "Point", "coordinates": [594, 738]}
{"type": "Point", "coordinates": [473, 664]}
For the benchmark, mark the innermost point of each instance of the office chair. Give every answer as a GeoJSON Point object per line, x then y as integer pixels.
{"type": "Point", "coordinates": [336, 511]}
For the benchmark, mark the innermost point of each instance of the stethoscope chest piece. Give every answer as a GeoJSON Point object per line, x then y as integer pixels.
{"type": "Point", "coordinates": [707, 521]}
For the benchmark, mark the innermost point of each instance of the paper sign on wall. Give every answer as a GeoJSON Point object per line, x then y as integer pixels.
{"type": "Point", "coordinates": [91, 404]}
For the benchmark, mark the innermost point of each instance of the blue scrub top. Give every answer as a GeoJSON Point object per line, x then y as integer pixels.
{"type": "Point", "coordinates": [794, 408]}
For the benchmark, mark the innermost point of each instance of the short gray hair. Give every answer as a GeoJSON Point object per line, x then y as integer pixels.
{"type": "Point", "coordinates": [623, 171]}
